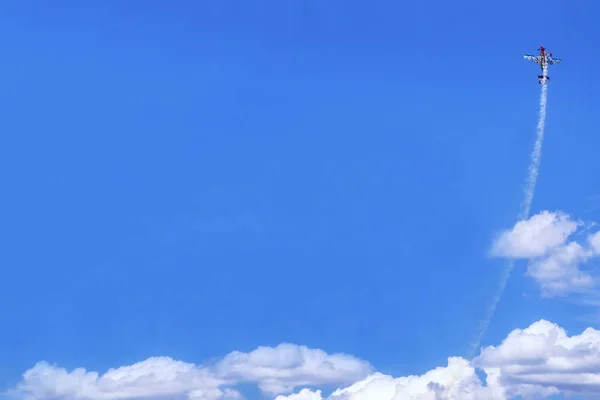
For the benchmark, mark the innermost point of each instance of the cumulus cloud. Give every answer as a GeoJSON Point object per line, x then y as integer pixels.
{"type": "Point", "coordinates": [457, 380]}
{"type": "Point", "coordinates": [275, 369]}
{"type": "Point", "coordinates": [559, 272]}
{"type": "Point", "coordinates": [281, 369]}
{"type": "Point", "coordinates": [544, 357]}
{"type": "Point", "coordinates": [535, 362]}
{"type": "Point", "coordinates": [536, 236]}
{"type": "Point", "coordinates": [554, 261]}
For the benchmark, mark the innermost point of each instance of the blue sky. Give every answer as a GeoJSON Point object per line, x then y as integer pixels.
{"type": "Point", "coordinates": [192, 179]}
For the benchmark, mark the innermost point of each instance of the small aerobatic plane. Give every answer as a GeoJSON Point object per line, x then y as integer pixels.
{"type": "Point", "coordinates": [545, 60]}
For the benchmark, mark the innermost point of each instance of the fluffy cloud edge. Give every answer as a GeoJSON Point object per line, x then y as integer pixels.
{"type": "Point", "coordinates": [555, 260]}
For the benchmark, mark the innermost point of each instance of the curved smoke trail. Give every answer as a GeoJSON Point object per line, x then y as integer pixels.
{"type": "Point", "coordinates": [534, 167]}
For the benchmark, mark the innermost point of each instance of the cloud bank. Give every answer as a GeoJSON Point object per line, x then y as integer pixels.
{"type": "Point", "coordinates": [274, 369]}
{"type": "Point", "coordinates": [538, 361]}
{"type": "Point", "coordinates": [555, 261]}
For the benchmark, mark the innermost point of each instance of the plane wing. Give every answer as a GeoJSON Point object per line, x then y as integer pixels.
{"type": "Point", "coordinates": [553, 61]}
{"type": "Point", "coordinates": [532, 58]}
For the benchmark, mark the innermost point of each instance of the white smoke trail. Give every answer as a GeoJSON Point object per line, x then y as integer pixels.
{"type": "Point", "coordinates": [534, 167]}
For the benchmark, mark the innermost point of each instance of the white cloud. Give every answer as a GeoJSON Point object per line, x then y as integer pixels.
{"type": "Point", "coordinates": [304, 394]}
{"type": "Point", "coordinates": [594, 241]}
{"type": "Point", "coordinates": [554, 262]}
{"type": "Point", "coordinates": [536, 236]}
{"type": "Point", "coordinates": [212, 394]}
{"type": "Point", "coordinates": [559, 272]}
{"type": "Point", "coordinates": [159, 376]}
{"type": "Point", "coordinates": [543, 355]}
{"type": "Point", "coordinates": [537, 361]}
{"type": "Point", "coordinates": [276, 370]}
{"type": "Point", "coordinates": [281, 369]}
{"type": "Point", "coordinates": [457, 380]}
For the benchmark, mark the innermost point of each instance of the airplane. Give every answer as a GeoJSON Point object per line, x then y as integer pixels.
{"type": "Point", "coordinates": [545, 60]}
